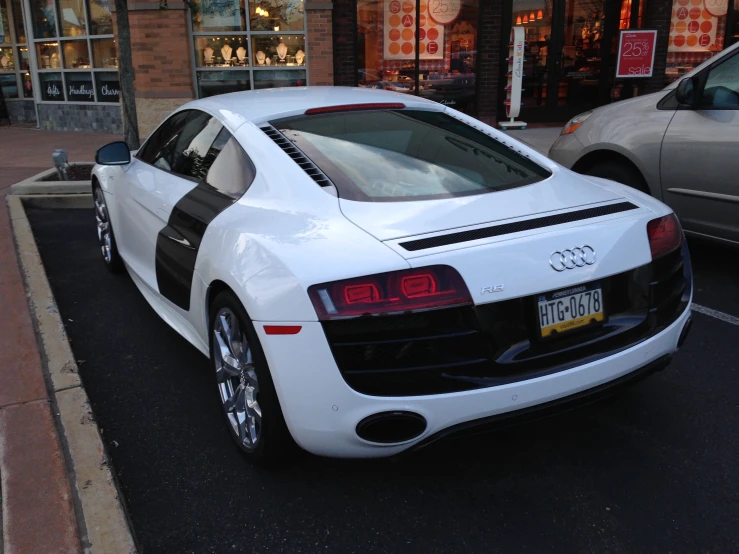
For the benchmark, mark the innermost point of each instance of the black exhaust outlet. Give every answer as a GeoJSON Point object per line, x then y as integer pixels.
{"type": "Point", "coordinates": [391, 427]}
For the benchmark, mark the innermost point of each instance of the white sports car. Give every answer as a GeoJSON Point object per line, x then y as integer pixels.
{"type": "Point", "coordinates": [370, 271]}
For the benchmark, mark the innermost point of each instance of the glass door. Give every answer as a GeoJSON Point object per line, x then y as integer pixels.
{"type": "Point", "coordinates": [567, 65]}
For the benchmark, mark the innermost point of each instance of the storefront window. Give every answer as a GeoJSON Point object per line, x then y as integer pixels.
{"type": "Point", "coordinates": [9, 85]}
{"type": "Point", "coordinates": [27, 85]}
{"type": "Point", "coordinates": [4, 24]}
{"type": "Point", "coordinates": [6, 59]}
{"type": "Point", "coordinates": [101, 19]}
{"type": "Point", "coordinates": [279, 78]}
{"type": "Point", "coordinates": [211, 83]}
{"type": "Point", "coordinates": [104, 54]}
{"type": "Point", "coordinates": [229, 58]}
{"type": "Point", "coordinates": [52, 87]}
{"type": "Point", "coordinates": [446, 48]}
{"type": "Point", "coordinates": [279, 50]}
{"type": "Point", "coordinates": [13, 51]}
{"type": "Point", "coordinates": [47, 54]}
{"type": "Point", "coordinates": [218, 15]}
{"type": "Point", "coordinates": [276, 15]}
{"type": "Point", "coordinates": [76, 55]}
{"type": "Point", "coordinates": [734, 31]}
{"type": "Point", "coordinates": [65, 63]}
{"type": "Point", "coordinates": [22, 58]}
{"type": "Point", "coordinates": [221, 51]}
{"type": "Point", "coordinates": [697, 32]}
{"type": "Point", "coordinates": [72, 18]}
{"type": "Point", "coordinates": [44, 18]}
{"type": "Point", "coordinates": [20, 28]}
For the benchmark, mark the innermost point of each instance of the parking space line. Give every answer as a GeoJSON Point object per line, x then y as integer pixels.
{"type": "Point", "coordinates": [718, 315]}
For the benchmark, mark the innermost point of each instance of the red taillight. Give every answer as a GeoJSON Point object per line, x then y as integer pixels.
{"type": "Point", "coordinates": [282, 329]}
{"type": "Point", "coordinates": [664, 235]}
{"type": "Point", "coordinates": [356, 107]}
{"type": "Point", "coordinates": [396, 291]}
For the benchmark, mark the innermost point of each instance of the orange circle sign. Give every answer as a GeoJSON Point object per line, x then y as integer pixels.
{"type": "Point", "coordinates": [444, 12]}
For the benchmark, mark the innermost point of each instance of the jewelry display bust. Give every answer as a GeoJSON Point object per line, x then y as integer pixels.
{"type": "Point", "coordinates": [208, 54]}
{"type": "Point", "coordinates": [260, 57]}
{"type": "Point", "coordinates": [226, 52]}
{"type": "Point", "coordinates": [300, 57]}
{"type": "Point", "coordinates": [241, 53]}
{"type": "Point", "coordinates": [282, 51]}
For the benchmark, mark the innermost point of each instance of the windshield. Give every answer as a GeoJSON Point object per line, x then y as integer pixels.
{"type": "Point", "coordinates": [395, 155]}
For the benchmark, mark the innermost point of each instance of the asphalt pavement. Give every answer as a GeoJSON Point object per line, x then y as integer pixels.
{"type": "Point", "coordinates": [652, 469]}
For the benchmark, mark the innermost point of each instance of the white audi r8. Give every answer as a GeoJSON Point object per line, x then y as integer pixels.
{"type": "Point", "coordinates": [370, 271]}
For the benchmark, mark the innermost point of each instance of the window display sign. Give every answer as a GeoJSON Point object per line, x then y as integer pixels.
{"type": "Point", "coordinates": [444, 12]}
{"type": "Point", "coordinates": [694, 25]}
{"type": "Point", "coordinates": [400, 30]}
{"type": "Point", "coordinates": [636, 54]}
{"type": "Point", "coordinates": [80, 91]}
{"type": "Point", "coordinates": [52, 88]}
{"type": "Point", "coordinates": [108, 87]}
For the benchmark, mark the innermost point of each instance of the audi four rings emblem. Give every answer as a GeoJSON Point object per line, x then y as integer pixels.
{"type": "Point", "coordinates": [579, 256]}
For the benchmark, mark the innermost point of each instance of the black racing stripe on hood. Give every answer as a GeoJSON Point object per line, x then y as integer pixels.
{"type": "Point", "coordinates": [517, 227]}
{"type": "Point", "coordinates": [178, 243]}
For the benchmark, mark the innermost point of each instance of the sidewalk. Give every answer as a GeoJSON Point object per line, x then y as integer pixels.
{"type": "Point", "coordinates": [37, 505]}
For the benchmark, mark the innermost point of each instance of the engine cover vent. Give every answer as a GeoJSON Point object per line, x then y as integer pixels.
{"type": "Point", "coordinates": [301, 159]}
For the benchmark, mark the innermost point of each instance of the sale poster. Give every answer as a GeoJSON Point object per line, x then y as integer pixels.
{"type": "Point", "coordinates": [636, 53]}
{"type": "Point", "coordinates": [694, 24]}
{"type": "Point", "coordinates": [400, 32]}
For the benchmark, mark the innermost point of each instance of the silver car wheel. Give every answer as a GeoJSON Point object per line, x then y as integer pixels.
{"type": "Point", "coordinates": [103, 225]}
{"type": "Point", "coordinates": [237, 379]}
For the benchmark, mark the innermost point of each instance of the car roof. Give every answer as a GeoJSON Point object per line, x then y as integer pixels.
{"type": "Point", "coordinates": [259, 106]}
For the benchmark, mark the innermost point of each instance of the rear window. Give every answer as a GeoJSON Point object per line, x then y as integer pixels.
{"type": "Point", "coordinates": [395, 155]}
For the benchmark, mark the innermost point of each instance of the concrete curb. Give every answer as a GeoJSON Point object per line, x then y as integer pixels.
{"type": "Point", "coordinates": [104, 527]}
{"type": "Point", "coordinates": [34, 185]}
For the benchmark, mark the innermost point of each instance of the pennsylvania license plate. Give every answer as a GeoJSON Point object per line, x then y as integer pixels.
{"type": "Point", "coordinates": [568, 309]}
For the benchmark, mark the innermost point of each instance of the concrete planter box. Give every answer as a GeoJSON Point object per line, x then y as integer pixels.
{"type": "Point", "coordinates": [40, 183]}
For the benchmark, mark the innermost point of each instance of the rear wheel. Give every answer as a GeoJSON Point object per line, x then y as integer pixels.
{"type": "Point", "coordinates": [619, 172]}
{"type": "Point", "coordinates": [106, 238]}
{"type": "Point", "coordinates": [244, 383]}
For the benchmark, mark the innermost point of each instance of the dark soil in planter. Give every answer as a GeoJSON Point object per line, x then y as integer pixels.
{"type": "Point", "coordinates": [75, 173]}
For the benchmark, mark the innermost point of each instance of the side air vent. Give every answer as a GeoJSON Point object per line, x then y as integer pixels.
{"type": "Point", "coordinates": [517, 227]}
{"type": "Point", "coordinates": [301, 159]}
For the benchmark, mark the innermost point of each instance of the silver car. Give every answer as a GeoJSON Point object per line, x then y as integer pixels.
{"type": "Point", "coordinates": [680, 145]}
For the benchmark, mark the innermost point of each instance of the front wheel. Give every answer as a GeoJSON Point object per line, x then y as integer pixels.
{"type": "Point", "coordinates": [106, 238]}
{"type": "Point", "coordinates": [244, 383]}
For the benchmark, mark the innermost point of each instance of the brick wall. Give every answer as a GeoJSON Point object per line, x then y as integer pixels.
{"type": "Point", "coordinates": [99, 118]}
{"type": "Point", "coordinates": [162, 63]}
{"type": "Point", "coordinates": [488, 65]}
{"type": "Point", "coordinates": [320, 43]}
{"type": "Point", "coordinates": [657, 14]}
{"type": "Point", "coordinates": [344, 31]}
{"type": "Point", "coordinates": [161, 51]}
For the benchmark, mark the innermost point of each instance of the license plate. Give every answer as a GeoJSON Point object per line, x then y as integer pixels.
{"type": "Point", "coordinates": [568, 309]}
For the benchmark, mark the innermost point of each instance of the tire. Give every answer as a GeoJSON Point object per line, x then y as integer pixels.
{"type": "Point", "coordinates": [106, 238]}
{"type": "Point", "coordinates": [619, 172]}
{"type": "Point", "coordinates": [247, 390]}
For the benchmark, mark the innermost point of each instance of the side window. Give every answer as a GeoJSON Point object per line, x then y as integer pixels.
{"type": "Point", "coordinates": [190, 157]}
{"type": "Point", "coordinates": [157, 149]}
{"type": "Point", "coordinates": [232, 171]}
{"type": "Point", "coordinates": [722, 86]}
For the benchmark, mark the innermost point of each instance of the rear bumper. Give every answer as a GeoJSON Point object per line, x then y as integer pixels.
{"type": "Point", "coordinates": [322, 411]}
{"type": "Point", "coordinates": [540, 411]}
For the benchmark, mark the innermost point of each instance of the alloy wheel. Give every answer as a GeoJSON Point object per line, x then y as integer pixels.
{"type": "Point", "coordinates": [103, 226]}
{"type": "Point", "coordinates": [237, 379]}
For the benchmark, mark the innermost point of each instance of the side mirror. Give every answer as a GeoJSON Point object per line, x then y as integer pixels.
{"type": "Point", "coordinates": [115, 153]}
{"type": "Point", "coordinates": [686, 92]}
